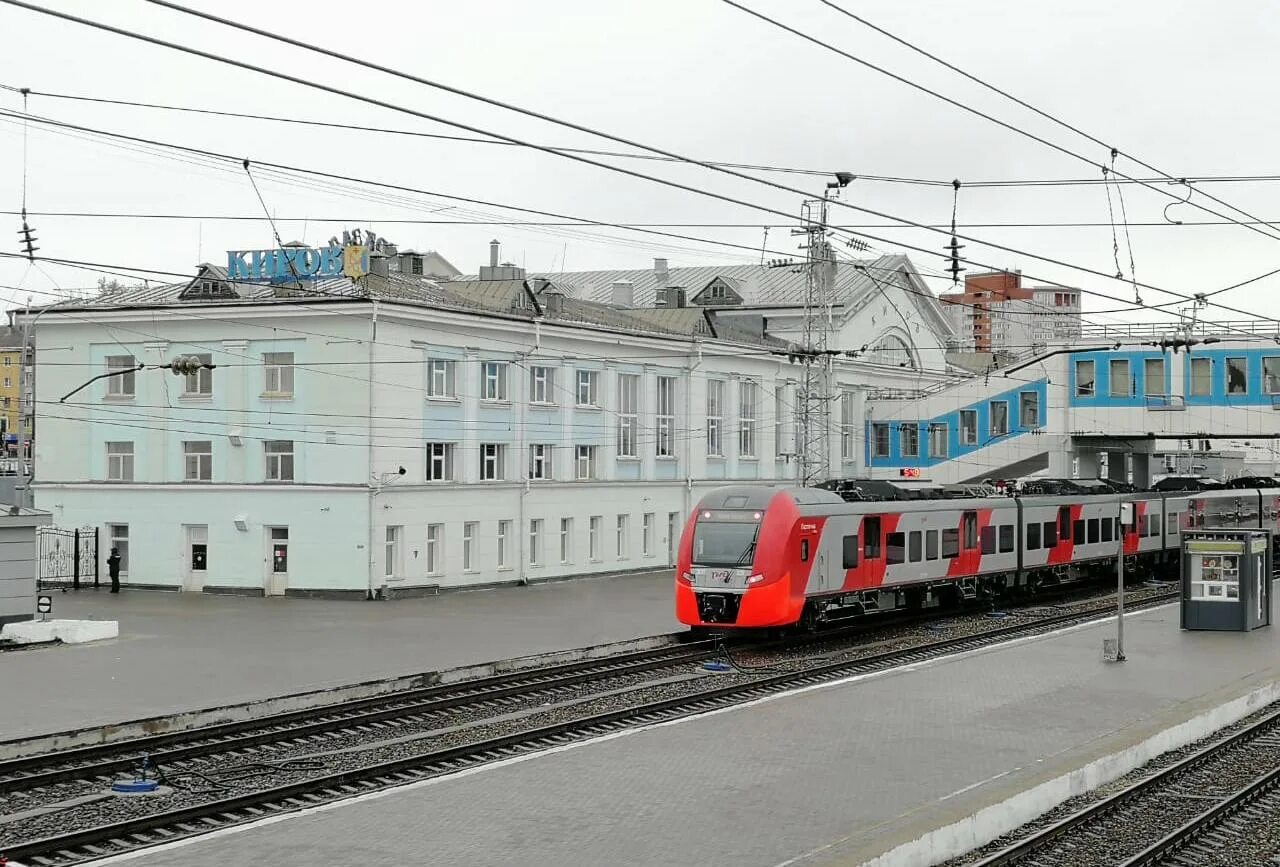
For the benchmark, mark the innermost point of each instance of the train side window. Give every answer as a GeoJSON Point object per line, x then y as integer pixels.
{"type": "Point", "coordinates": [988, 540]}
{"type": "Point", "coordinates": [950, 543]}
{"type": "Point", "coordinates": [1006, 538]}
{"type": "Point", "coordinates": [1143, 528]}
{"type": "Point", "coordinates": [1154, 521]}
{"type": "Point", "coordinates": [1108, 525]}
{"type": "Point", "coordinates": [914, 545]}
{"type": "Point", "coordinates": [1173, 523]}
{"type": "Point", "coordinates": [1050, 534]}
{"type": "Point", "coordinates": [850, 558]}
{"type": "Point", "coordinates": [970, 524]}
{"type": "Point", "coordinates": [1093, 531]}
{"type": "Point", "coordinates": [931, 545]}
{"type": "Point", "coordinates": [804, 550]}
{"type": "Point", "coordinates": [1033, 536]}
{"type": "Point", "coordinates": [871, 538]}
{"type": "Point", "coordinates": [1064, 522]}
{"type": "Point", "coordinates": [895, 548]}
{"type": "Point", "coordinates": [1077, 533]}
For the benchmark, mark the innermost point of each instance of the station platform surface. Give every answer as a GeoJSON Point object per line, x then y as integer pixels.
{"type": "Point", "coordinates": [835, 775]}
{"type": "Point", "coordinates": [189, 651]}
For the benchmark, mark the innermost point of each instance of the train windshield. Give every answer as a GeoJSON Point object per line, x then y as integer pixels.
{"type": "Point", "coordinates": [724, 543]}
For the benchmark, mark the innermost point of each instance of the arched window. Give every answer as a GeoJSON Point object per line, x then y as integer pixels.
{"type": "Point", "coordinates": [891, 349]}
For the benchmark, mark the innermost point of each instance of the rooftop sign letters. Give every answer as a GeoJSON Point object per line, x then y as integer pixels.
{"type": "Point", "coordinates": [345, 257]}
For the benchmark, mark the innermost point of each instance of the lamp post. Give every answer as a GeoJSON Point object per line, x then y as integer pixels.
{"type": "Point", "coordinates": [1124, 510]}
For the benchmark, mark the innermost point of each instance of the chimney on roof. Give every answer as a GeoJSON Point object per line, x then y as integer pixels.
{"type": "Point", "coordinates": [493, 253]}
{"type": "Point", "coordinates": [378, 263]}
{"type": "Point", "coordinates": [668, 297]}
{"type": "Point", "coordinates": [552, 302]}
{"type": "Point", "coordinates": [660, 272]}
{"type": "Point", "coordinates": [622, 293]}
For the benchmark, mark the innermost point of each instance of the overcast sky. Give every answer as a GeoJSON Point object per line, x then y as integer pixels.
{"type": "Point", "coordinates": [1184, 85]}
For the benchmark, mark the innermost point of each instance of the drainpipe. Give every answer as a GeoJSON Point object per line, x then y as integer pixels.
{"type": "Point", "coordinates": [375, 485]}
{"type": "Point", "coordinates": [522, 449]}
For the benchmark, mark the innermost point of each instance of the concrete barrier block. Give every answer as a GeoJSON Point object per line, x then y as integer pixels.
{"type": "Point", "coordinates": [68, 631]}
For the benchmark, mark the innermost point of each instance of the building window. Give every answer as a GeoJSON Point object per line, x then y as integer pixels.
{"type": "Point", "coordinates": [8, 360]}
{"type": "Point", "coordinates": [968, 427]}
{"type": "Point", "coordinates": [1029, 409]}
{"type": "Point", "coordinates": [279, 460]}
{"type": "Point", "coordinates": [440, 378]}
{"type": "Point", "coordinates": [937, 440]}
{"type": "Point", "coordinates": [1121, 381]}
{"type": "Point", "coordinates": [122, 383]}
{"type": "Point", "coordinates": [646, 535]}
{"type": "Point", "coordinates": [197, 460]}
{"type": "Point", "coordinates": [493, 381]}
{"type": "Point", "coordinates": [715, 417]}
{"type": "Point", "coordinates": [1153, 377]}
{"type": "Point", "coordinates": [540, 461]}
{"type": "Point", "coordinates": [909, 436]}
{"type": "Point", "coordinates": [780, 445]}
{"type": "Point", "coordinates": [435, 549]}
{"type": "Point", "coordinates": [440, 462]}
{"type": "Point", "coordinates": [493, 461]}
{"type": "Point", "coordinates": [588, 390]}
{"type": "Point", "coordinates": [541, 381]}
{"type": "Point", "coordinates": [1271, 374]}
{"type": "Point", "coordinates": [666, 417]}
{"type": "Point", "coordinates": [277, 371]}
{"type": "Point", "coordinates": [846, 426]}
{"type": "Point", "coordinates": [118, 537]}
{"type": "Point", "coordinates": [566, 540]}
{"type": "Point", "coordinates": [628, 414]}
{"type": "Point", "coordinates": [504, 531]}
{"type": "Point", "coordinates": [391, 552]}
{"type": "Point", "coordinates": [624, 537]}
{"type": "Point", "coordinates": [535, 542]}
{"type": "Point", "coordinates": [280, 550]}
{"type": "Point", "coordinates": [593, 537]}
{"type": "Point", "coordinates": [584, 462]}
{"type": "Point", "coordinates": [1201, 376]}
{"type": "Point", "coordinates": [748, 399]}
{"type": "Point", "coordinates": [469, 532]}
{"type": "Point", "coordinates": [120, 462]}
{"type": "Point", "coordinates": [1237, 376]}
{"type": "Point", "coordinates": [200, 383]}
{"type": "Point", "coordinates": [999, 417]}
{"type": "Point", "coordinates": [1085, 378]}
{"type": "Point", "coordinates": [880, 439]}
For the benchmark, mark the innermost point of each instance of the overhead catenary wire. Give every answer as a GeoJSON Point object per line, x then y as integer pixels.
{"type": "Point", "coordinates": [498, 103]}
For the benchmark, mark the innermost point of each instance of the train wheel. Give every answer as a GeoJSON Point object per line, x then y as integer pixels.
{"type": "Point", "coordinates": [810, 618]}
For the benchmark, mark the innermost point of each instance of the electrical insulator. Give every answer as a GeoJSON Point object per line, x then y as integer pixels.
{"type": "Point", "coordinates": [185, 364]}
{"type": "Point", "coordinates": [28, 241]}
{"type": "Point", "coordinates": [954, 248]}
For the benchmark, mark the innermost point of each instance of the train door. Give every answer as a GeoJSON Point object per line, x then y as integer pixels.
{"type": "Point", "coordinates": [969, 531]}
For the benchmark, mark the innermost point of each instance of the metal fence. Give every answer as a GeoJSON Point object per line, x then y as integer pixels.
{"type": "Point", "coordinates": [66, 556]}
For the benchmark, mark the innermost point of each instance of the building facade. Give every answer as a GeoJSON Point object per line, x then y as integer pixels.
{"type": "Point", "coordinates": [996, 314]}
{"type": "Point", "coordinates": [390, 435]}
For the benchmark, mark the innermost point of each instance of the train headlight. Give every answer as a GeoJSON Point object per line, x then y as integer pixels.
{"type": "Point", "coordinates": [755, 579]}
{"type": "Point", "coordinates": [687, 577]}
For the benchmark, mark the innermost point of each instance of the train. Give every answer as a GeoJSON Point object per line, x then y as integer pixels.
{"type": "Point", "coordinates": [755, 557]}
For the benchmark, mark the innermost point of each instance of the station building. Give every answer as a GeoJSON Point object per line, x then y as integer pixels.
{"type": "Point", "coordinates": [378, 427]}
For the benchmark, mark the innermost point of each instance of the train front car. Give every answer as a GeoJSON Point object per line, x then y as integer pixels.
{"type": "Point", "coordinates": [732, 570]}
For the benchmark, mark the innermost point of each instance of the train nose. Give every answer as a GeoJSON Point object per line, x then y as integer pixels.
{"type": "Point", "coordinates": [718, 607]}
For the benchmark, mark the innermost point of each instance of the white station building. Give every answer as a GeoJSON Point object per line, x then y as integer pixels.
{"type": "Point", "coordinates": [395, 432]}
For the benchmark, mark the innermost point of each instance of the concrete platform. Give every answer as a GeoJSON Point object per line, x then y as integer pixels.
{"type": "Point", "coordinates": [186, 651]}
{"type": "Point", "coordinates": [835, 775]}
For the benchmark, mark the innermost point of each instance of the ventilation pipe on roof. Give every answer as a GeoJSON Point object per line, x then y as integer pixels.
{"type": "Point", "coordinates": [660, 272]}
{"type": "Point", "coordinates": [493, 254]}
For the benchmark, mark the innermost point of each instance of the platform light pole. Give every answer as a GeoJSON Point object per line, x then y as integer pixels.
{"type": "Point", "coordinates": [1124, 510]}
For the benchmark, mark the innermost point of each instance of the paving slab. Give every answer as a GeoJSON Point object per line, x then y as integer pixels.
{"type": "Point", "coordinates": [829, 776]}
{"type": "Point", "coordinates": [187, 651]}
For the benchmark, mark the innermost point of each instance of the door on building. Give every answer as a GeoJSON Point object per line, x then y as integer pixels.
{"type": "Point", "coordinates": [195, 557]}
{"type": "Point", "coordinates": [277, 561]}
{"type": "Point", "coordinates": [673, 537]}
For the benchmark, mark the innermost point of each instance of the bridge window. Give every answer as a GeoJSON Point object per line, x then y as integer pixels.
{"type": "Point", "coordinates": [909, 439]}
{"type": "Point", "coordinates": [1153, 377]}
{"type": "Point", "coordinates": [968, 427]}
{"type": "Point", "coordinates": [1029, 409]}
{"type": "Point", "coordinates": [1084, 378]}
{"type": "Point", "coordinates": [999, 417]}
{"type": "Point", "coordinates": [880, 440]}
{"type": "Point", "coordinates": [1033, 536]}
{"type": "Point", "coordinates": [1271, 374]}
{"type": "Point", "coordinates": [1201, 376]}
{"type": "Point", "coordinates": [1121, 380]}
{"type": "Point", "coordinates": [937, 440]}
{"type": "Point", "coordinates": [1237, 376]}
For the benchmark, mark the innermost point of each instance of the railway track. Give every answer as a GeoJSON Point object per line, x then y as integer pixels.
{"type": "Point", "coordinates": [276, 778]}
{"type": "Point", "coordinates": [1197, 812]}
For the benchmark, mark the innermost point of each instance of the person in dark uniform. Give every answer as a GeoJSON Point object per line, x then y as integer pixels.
{"type": "Point", "coordinates": [113, 569]}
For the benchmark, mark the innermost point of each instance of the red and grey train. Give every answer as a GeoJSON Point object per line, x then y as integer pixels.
{"type": "Point", "coordinates": [757, 556]}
